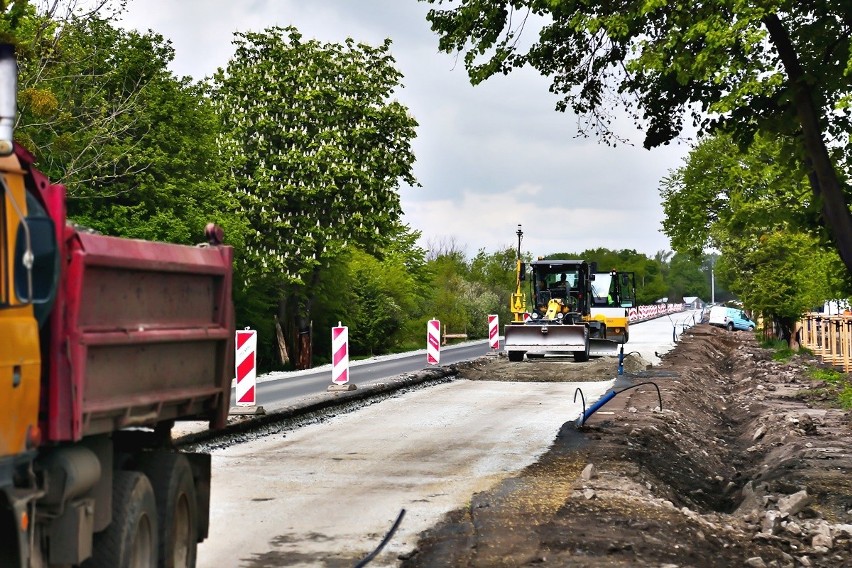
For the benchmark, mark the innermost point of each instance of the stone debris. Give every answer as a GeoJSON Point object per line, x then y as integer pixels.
{"type": "Point", "coordinates": [793, 504]}
{"type": "Point", "coordinates": [589, 472]}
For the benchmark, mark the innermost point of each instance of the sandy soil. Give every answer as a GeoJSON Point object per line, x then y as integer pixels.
{"type": "Point", "coordinates": [747, 464]}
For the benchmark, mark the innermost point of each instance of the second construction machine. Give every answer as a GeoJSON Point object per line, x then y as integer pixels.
{"type": "Point", "coordinates": [570, 314]}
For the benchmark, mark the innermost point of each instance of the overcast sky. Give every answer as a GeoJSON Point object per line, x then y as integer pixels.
{"type": "Point", "coordinates": [488, 157]}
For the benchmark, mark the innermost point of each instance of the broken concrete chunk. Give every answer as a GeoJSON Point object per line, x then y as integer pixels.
{"type": "Point", "coordinates": [756, 562]}
{"type": "Point", "coordinates": [589, 494]}
{"type": "Point", "coordinates": [793, 504]}
{"type": "Point", "coordinates": [771, 522]}
{"type": "Point", "coordinates": [793, 528]}
{"type": "Point", "coordinates": [752, 499]}
{"type": "Point", "coordinates": [758, 434]}
{"type": "Point", "coordinates": [822, 540]}
{"type": "Point", "coordinates": [589, 472]}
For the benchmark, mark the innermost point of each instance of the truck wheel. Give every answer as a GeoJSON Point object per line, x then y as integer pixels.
{"type": "Point", "coordinates": [177, 507]}
{"type": "Point", "coordinates": [516, 356]}
{"type": "Point", "coordinates": [730, 326]}
{"type": "Point", "coordinates": [130, 540]}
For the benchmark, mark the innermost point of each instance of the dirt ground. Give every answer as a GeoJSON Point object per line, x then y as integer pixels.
{"type": "Point", "coordinates": [747, 464]}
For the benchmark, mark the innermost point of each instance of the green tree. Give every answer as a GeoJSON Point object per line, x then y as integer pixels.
{"type": "Point", "coordinates": [135, 146]}
{"type": "Point", "coordinates": [316, 150]}
{"type": "Point", "coordinates": [749, 207]}
{"type": "Point", "coordinates": [686, 279]}
{"type": "Point", "coordinates": [782, 275]}
{"type": "Point", "coordinates": [496, 273]}
{"type": "Point", "coordinates": [779, 67]}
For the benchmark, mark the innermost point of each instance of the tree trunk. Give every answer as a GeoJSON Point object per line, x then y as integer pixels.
{"type": "Point", "coordinates": [284, 320]}
{"type": "Point", "coordinates": [283, 355]}
{"type": "Point", "coordinates": [304, 347]}
{"type": "Point", "coordinates": [823, 177]}
{"type": "Point", "coordinates": [304, 323]}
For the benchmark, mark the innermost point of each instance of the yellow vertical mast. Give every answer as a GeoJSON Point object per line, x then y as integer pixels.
{"type": "Point", "coordinates": [518, 303]}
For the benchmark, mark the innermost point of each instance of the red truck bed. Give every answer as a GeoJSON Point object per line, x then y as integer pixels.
{"type": "Point", "coordinates": [145, 334]}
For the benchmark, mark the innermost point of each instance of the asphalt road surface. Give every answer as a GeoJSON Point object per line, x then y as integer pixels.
{"type": "Point", "coordinates": [325, 494]}
{"type": "Point", "coordinates": [275, 390]}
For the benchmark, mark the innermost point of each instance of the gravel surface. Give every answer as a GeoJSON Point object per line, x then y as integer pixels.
{"type": "Point", "coordinates": [747, 464]}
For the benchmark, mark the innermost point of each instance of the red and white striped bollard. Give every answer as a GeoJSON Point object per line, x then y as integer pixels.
{"type": "Point", "coordinates": [246, 367]}
{"type": "Point", "coordinates": [340, 359]}
{"type": "Point", "coordinates": [494, 331]}
{"type": "Point", "coordinates": [433, 342]}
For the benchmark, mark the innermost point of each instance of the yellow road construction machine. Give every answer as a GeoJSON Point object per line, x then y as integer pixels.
{"type": "Point", "coordinates": [559, 323]}
{"type": "Point", "coordinates": [577, 311]}
{"type": "Point", "coordinates": [613, 293]}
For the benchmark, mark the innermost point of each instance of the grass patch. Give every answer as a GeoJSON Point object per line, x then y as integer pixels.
{"type": "Point", "coordinates": [825, 374]}
{"type": "Point", "coordinates": [845, 397]}
{"type": "Point", "coordinates": [772, 343]}
{"type": "Point", "coordinates": [835, 388]}
{"type": "Point", "coordinates": [781, 349]}
{"type": "Point", "coordinates": [782, 352]}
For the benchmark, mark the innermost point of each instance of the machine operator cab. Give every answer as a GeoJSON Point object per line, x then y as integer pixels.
{"type": "Point", "coordinates": [613, 289]}
{"type": "Point", "coordinates": [560, 288]}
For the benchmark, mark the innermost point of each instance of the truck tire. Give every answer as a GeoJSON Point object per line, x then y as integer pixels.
{"type": "Point", "coordinates": [130, 540]}
{"type": "Point", "coordinates": [730, 326]}
{"type": "Point", "coordinates": [516, 356]}
{"type": "Point", "coordinates": [177, 507]}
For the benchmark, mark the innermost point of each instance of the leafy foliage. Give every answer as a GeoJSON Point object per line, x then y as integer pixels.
{"type": "Point", "coordinates": [134, 144]}
{"type": "Point", "coordinates": [316, 150]}
{"type": "Point", "coordinates": [753, 207]}
{"type": "Point", "coordinates": [777, 67]}
{"type": "Point", "coordinates": [314, 146]}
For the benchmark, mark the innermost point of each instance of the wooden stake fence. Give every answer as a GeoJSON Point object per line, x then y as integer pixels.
{"type": "Point", "coordinates": [829, 337]}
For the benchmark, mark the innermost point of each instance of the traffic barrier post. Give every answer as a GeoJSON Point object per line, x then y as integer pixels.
{"type": "Point", "coordinates": [494, 331]}
{"type": "Point", "coordinates": [245, 366]}
{"type": "Point", "coordinates": [340, 359]}
{"type": "Point", "coordinates": [433, 342]}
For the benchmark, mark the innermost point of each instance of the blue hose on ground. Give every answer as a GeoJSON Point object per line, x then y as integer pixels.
{"type": "Point", "coordinates": [608, 396]}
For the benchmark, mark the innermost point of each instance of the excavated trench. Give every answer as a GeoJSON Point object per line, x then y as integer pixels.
{"type": "Point", "coordinates": [735, 470]}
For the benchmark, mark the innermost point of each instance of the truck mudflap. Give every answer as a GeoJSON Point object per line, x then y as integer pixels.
{"type": "Point", "coordinates": [603, 348]}
{"type": "Point", "coordinates": [542, 339]}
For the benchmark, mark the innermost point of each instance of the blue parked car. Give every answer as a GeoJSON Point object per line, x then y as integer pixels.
{"type": "Point", "coordinates": [730, 318]}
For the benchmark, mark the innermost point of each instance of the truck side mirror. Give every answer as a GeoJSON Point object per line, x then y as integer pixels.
{"type": "Point", "coordinates": [36, 270]}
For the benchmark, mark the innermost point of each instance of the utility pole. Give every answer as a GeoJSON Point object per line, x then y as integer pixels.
{"type": "Point", "coordinates": [712, 279]}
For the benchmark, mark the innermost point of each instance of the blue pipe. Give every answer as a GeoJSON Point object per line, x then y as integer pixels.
{"type": "Point", "coordinates": [608, 396]}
